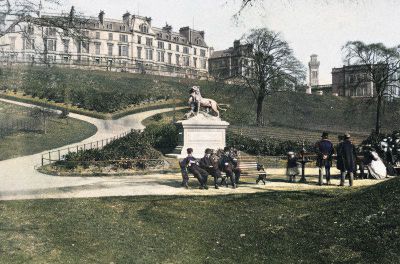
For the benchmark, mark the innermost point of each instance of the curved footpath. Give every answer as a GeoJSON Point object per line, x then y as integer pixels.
{"type": "Point", "coordinates": [19, 180]}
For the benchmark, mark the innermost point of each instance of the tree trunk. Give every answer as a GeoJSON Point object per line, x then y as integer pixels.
{"type": "Point", "coordinates": [260, 117]}
{"type": "Point", "coordinates": [378, 115]}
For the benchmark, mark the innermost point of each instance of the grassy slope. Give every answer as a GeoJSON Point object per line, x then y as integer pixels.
{"type": "Point", "coordinates": [60, 133]}
{"type": "Point", "coordinates": [293, 110]}
{"type": "Point", "coordinates": [337, 226]}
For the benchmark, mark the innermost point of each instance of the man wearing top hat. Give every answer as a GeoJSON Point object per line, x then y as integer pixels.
{"type": "Point", "coordinates": [348, 155]}
{"type": "Point", "coordinates": [325, 150]}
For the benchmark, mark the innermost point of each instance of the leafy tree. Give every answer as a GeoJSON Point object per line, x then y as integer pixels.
{"type": "Point", "coordinates": [272, 67]}
{"type": "Point", "coordinates": [380, 65]}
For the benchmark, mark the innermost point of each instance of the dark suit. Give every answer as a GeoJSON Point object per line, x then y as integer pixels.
{"type": "Point", "coordinates": [194, 168]}
{"type": "Point", "coordinates": [211, 167]}
{"type": "Point", "coordinates": [348, 155]}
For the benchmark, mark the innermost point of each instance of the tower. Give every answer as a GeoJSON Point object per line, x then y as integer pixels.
{"type": "Point", "coordinates": [313, 67]}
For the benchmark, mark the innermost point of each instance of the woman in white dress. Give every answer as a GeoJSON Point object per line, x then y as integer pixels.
{"type": "Point", "coordinates": [376, 167]}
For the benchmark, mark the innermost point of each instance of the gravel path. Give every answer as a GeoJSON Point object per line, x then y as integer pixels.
{"type": "Point", "coordinates": [19, 180]}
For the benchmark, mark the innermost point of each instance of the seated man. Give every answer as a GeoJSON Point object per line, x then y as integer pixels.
{"type": "Point", "coordinates": [193, 167]}
{"type": "Point", "coordinates": [226, 165]}
{"type": "Point", "coordinates": [208, 164]}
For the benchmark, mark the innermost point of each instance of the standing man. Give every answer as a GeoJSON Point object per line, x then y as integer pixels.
{"type": "Point", "coordinates": [348, 157]}
{"type": "Point", "coordinates": [339, 163]}
{"type": "Point", "coordinates": [193, 167]}
{"type": "Point", "coordinates": [325, 150]}
{"type": "Point", "coordinates": [208, 164]}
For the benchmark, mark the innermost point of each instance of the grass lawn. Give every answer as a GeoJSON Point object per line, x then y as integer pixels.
{"type": "Point", "coordinates": [337, 226]}
{"type": "Point", "coordinates": [60, 132]}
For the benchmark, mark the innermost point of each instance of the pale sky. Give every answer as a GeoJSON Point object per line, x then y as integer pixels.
{"type": "Point", "coordinates": [310, 26]}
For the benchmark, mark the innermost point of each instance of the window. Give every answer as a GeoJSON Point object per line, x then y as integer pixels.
{"type": "Point", "coordinates": [186, 50]}
{"type": "Point", "coordinates": [149, 42]}
{"type": "Point", "coordinates": [149, 54]}
{"type": "Point", "coordinates": [66, 45]}
{"type": "Point", "coordinates": [110, 36]}
{"type": "Point", "coordinates": [97, 25]}
{"type": "Point", "coordinates": [12, 43]}
{"type": "Point", "coordinates": [98, 45]}
{"type": "Point", "coordinates": [123, 38]}
{"type": "Point", "coordinates": [122, 28]}
{"type": "Point", "coordinates": [202, 53]}
{"type": "Point", "coordinates": [110, 49]}
{"type": "Point", "coordinates": [160, 56]}
{"type": "Point", "coordinates": [51, 32]}
{"type": "Point", "coordinates": [139, 39]}
{"type": "Point", "coordinates": [169, 46]}
{"type": "Point", "coordinates": [161, 45]}
{"type": "Point", "coordinates": [195, 62]}
{"type": "Point", "coordinates": [29, 44]}
{"type": "Point", "coordinates": [139, 53]}
{"type": "Point", "coordinates": [144, 28]}
{"type": "Point", "coordinates": [186, 61]}
{"type": "Point", "coordinates": [169, 58]}
{"type": "Point", "coordinates": [97, 35]}
{"type": "Point", "coordinates": [194, 51]}
{"type": "Point", "coordinates": [109, 26]}
{"type": "Point", "coordinates": [177, 48]}
{"type": "Point", "coordinates": [203, 64]}
{"type": "Point", "coordinates": [85, 47]}
{"type": "Point", "coordinates": [123, 50]}
{"type": "Point", "coordinates": [51, 45]}
{"type": "Point", "coordinates": [177, 60]}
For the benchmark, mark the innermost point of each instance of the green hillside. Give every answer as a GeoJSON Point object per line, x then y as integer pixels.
{"type": "Point", "coordinates": [108, 92]}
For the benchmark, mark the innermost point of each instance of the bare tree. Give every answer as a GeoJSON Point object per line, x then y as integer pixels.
{"type": "Point", "coordinates": [380, 66]}
{"type": "Point", "coordinates": [272, 67]}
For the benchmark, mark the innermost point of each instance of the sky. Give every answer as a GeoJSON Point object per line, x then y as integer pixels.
{"type": "Point", "coordinates": [319, 27]}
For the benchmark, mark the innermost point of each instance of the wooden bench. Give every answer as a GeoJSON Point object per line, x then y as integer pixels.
{"type": "Point", "coordinates": [248, 167]}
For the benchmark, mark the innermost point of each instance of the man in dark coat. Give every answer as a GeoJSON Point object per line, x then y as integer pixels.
{"type": "Point", "coordinates": [193, 167]}
{"type": "Point", "coordinates": [226, 165]}
{"type": "Point", "coordinates": [339, 162]}
{"type": "Point", "coordinates": [325, 150]}
{"type": "Point", "coordinates": [208, 164]}
{"type": "Point", "coordinates": [348, 156]}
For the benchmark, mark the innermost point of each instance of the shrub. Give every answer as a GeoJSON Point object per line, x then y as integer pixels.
{"type": "Point", "coordinates": [265, 146]}
{"type": "Point", "coordinates": [163, 137]}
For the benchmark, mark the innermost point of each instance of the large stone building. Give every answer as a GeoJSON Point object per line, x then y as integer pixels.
{"type": "Point", "coordinates": [352, 81]}
{"type": "Point", "coordinates": [232, 62]}
{"type": "Point", "coordinates": [132, 44]}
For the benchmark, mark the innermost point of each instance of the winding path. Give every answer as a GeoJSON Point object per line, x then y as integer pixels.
{"type": "Point", "coordinates": [19, 180]}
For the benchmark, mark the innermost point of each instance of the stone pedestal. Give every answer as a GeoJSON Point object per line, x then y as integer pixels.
{"type": "Point", "coordinates": [199, 133]}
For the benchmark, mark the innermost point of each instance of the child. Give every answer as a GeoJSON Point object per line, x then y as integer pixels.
{"type": "Point", "coordinates": [262, 175]}
{"type": "Point", "coordinates": [291, 169]}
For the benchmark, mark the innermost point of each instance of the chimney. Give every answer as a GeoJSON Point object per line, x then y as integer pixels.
{"type": "Point", "coordinates": [236, 44]}
{"type": "Point", "coordinates": [126, 17]}
{"type": "Point", "coordinates": [101, 16]}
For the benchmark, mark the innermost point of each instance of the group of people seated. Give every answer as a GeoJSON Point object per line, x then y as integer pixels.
{"type": "Point", "coordinates": [213, 163]}
{"type": "Point", "coordinates": [389, 149]}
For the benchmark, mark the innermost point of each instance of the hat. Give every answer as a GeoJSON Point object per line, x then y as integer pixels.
{"type": "Point", "coordinates": [208, 151]}
{"type": "Point", "coordinates": [347, 136]}
{"type": "Point", "coordinates": [227, 149]}
{"type": "Point", "coordinates": [189, 150]}
{"type": "Point", "coordinates": [325, 134]}
{"type": "Point", "coordinates": [290, 153]}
